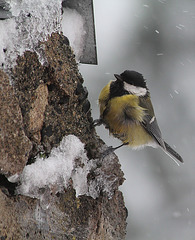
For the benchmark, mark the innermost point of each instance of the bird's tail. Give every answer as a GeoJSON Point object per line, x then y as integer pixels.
{"type": "Point", "coordinates": [172, 153]}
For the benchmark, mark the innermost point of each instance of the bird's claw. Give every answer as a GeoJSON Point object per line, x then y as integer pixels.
{"type": "Point", "coordinates": [108, 151]}
{"type": "Point", "coordinates": [97, 122]}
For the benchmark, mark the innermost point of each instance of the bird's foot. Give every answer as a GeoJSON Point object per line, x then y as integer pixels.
{"type": "Point", "coordinates": [111, 149]}
{"type": "Point", "coordinates": [107, 152]}
{"type": "Point", "coordinates": [97, 122]}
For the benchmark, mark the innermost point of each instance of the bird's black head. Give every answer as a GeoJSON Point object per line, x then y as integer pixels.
{"type": "Point", "coordinates": [132, 77]}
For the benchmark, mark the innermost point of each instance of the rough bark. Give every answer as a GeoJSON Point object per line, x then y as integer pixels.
{"type": "Point", "coordinates": [43, 104]}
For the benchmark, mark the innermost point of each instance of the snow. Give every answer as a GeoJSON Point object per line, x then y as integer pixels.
{"type": "Point", "coordinates": [68, 161]}
{"type": "Point", "coordinates": [31, 22]}
{"type": "Point", "coordinates": [67, 165]}
{"type": "Point", "coordinates": [34, 21]}
{"type": "Point", "coordinates": [73, 27]}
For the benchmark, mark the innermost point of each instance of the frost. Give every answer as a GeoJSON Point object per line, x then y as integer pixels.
{"type": "Point", "coordinates": [102, 183]}
{"type": "Point", "coordinates": [105, 180]}
{"type": "Point", "coordinates": [73, 27]}
{"type": "Point", "coordinates": [41, 218]}
{"type": "Point", "coordinates": [68, 161]}
{"type": "Point", "coordinates": [31, 22]}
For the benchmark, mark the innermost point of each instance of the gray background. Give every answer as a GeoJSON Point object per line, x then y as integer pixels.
{"type": "Point", "coordinates": [156, 38]}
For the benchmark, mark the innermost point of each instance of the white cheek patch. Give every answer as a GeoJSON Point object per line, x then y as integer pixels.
{"type": "Point", "coordinates": [139, 91]}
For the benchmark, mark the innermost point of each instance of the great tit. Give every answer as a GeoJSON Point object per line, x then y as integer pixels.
{"type": "Point", "coordinates": [126, 110]}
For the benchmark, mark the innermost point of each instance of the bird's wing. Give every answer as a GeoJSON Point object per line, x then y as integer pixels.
{"type": "Point", "coordinates": [149, 121]}
{"type": "Point", "coordinates": [151, 126]}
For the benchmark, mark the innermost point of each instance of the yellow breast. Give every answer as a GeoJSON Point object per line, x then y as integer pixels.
{"type": "Point", "coordinates": [123, 116]}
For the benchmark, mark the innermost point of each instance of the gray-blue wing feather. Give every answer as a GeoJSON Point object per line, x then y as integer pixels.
{"type": "Point", "coordinates": [151, 126]}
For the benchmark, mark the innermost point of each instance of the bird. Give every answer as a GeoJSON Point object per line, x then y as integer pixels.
{"type": "Point", "coordinates": [127, 112]}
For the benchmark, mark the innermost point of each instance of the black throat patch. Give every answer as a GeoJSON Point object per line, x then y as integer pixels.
{"type": "Point", "coordinates": [117, 89]}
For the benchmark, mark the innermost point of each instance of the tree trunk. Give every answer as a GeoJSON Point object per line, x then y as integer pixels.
{"type": "Point", "coordinates": [44, 104]}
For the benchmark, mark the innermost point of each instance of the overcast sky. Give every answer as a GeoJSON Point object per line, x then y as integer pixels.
{"type": "Point", "coordinates": [156, 38]}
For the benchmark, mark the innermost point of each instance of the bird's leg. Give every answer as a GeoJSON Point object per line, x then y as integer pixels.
{"type": "Point", "coordinates": [124, 144]}
{"type": "Point", "coordinates": [112, 149]}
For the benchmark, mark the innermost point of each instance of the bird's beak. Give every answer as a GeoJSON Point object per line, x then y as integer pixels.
{"type": "Point", "coordinates": [118, 77]}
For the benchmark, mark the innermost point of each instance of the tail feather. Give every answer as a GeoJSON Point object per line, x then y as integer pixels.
{"type": "Point", "coordinates": [172, 153]}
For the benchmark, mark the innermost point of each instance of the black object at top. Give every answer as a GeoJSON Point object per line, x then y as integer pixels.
{"type": "Point", "coordinates": [133, 78]}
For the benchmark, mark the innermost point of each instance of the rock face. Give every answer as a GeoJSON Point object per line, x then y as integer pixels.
{"type": "Point", "coordinates": [14, 144]}
{"type": "Point", "coordinates": [46, 102]}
